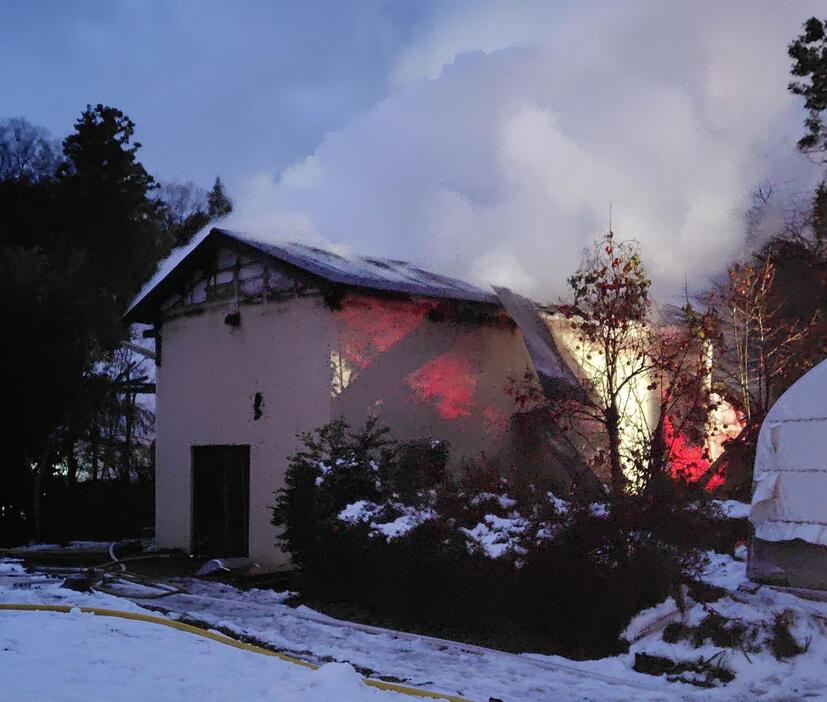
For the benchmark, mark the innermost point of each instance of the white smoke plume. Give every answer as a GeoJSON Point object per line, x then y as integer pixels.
{"type": "Point", "coordinates": [510, 127]}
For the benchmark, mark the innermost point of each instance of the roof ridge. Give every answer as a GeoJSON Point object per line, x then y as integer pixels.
{"type": "Point", "coordinates": [355, 270]}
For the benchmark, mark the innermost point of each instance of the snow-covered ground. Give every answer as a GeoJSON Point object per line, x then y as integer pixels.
{"type": "Point", "coordinates": [759, 675]}
{"type": "Point", "coordinates": [471, 672]}
{"type": "Point", "coordinates": [75, 656]}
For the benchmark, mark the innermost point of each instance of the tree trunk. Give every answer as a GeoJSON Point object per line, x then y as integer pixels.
{"type": "Point", "coordinates": [615, 465]}
{"type": "Point", "coordinates": [658, 451]}
{"type": "Point", "coordinates": [94, 443]}
{"type": "Point", "coordinates": [37, 504]}
{"type": "Point", "coordinates": [71, 461]}
{"type": "Point", "coordinates": [126, 459]}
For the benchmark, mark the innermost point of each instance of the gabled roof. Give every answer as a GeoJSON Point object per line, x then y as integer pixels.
{"type": "Point", "coordinates": [382, 274]}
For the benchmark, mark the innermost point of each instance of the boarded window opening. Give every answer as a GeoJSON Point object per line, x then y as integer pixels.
{"type": "Point", "coordinates": [220, 500]}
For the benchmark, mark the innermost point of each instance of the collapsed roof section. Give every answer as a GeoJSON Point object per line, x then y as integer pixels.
{"type": "Point", "coordinates": [555, 376]}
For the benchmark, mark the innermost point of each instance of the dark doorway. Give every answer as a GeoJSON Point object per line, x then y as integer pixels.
{"type": "Point", "coordinates": [220, 500]}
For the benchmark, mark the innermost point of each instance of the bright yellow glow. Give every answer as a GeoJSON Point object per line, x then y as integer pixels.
{"type": "Point", "coordinates": [342, 373]}
{"type": "Point", "coordinates": [638, 405]}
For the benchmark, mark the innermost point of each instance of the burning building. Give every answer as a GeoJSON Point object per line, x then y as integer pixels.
{"type": "Point", "coordinates": [256, 343]}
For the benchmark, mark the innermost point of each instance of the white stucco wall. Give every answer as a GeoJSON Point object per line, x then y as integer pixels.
{"type": "Point", "coordinates": [444, 379]}
{"type": "Point", "coordinates": [206, 384]}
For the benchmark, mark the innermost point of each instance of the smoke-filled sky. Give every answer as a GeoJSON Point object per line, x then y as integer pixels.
{"type": "Point", "coordinates": [483, 139]}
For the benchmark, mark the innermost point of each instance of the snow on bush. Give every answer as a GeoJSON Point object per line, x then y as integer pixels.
{"type": "Point", "coordinates": [387, 528]}
{"type": "Point", "coordinates": [496, 536]}
{"type": "Point", "coordinates": [504, 501]}
{"type": "Point", "coordinates": [391, 519]}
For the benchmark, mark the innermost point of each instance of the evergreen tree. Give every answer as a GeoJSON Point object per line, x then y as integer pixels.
{"type": "Point", "coordinates": [74, 250]}
{"type": "Point", "coordinates": [809, 52]}
{"type": "Point", "coordinates": [105, 193]}
{"type": "Point", "coordinates": [218, 202]}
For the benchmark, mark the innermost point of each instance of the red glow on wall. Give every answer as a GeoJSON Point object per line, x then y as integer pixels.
{"type": "Point", "coordinates": [372, 326]}
{"type": "Point", "coordinates": [686, 462]}
{"type": "Point", "coordinates": [715, 481]}
{"type": "Point", "coordinates": [448, 382]}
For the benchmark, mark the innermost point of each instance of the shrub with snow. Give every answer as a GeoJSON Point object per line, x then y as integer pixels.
{"type": "Point", "coordinates": [387, 528]}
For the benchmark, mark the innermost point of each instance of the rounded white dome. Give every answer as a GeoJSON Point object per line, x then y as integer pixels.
{"type": "Point", "coordinates": [790, 483]}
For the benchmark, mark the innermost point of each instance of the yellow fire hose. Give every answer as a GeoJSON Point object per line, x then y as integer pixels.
{"type": "Point", "coordinates": [221, 638]}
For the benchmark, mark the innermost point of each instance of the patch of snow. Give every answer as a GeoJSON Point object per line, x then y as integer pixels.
{"type": "Point", "coordinates": [504, 501]}
{"type": "Point", "coordinates": [724, 571]}
{"type": "Point", "coordinates": [356, 512]}
{"type": "Point", "coordinates": [326, 469]}
{"type": "Point", "coordinates": [758, 674]}
{"type": "Point", "coordinates": [599, 509]}
{"type": "Point", "coordinates": [402, 525]}
{"type": "Point", "coordinates": [215, 565]}
{"type": "Point", "coordinates": [734, 509]}
{"type": "Point", "coordinates": [408, 517]}
{"type": "Point", "coordinates": [645, 622]}
{"type": "Point", "coordinates": [497, 536]}
{"type": "Point", "coordinates": [561, 505]}
{"type": "Point", "coordinates": [12, 567]}
{"type": "Point", "coordinates": [547, 532]}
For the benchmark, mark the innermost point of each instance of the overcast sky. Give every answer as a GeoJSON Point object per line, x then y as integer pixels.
{"type": "Point", "coordinates": [485, 139]}
{"type": "Point", "coordinates": [234, 87]}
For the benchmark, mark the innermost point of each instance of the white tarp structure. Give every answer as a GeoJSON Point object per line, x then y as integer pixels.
{"type": "Point", "coordinates": [790, 484]}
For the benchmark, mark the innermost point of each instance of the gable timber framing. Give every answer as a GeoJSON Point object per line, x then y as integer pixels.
{"type": "Point", "coordinates": [232, 275]}
{"type": "Point", "coordinates": [311, 267]}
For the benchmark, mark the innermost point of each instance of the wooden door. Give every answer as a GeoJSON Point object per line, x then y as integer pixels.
{"type": "Point", "coordinates": [220, 500]}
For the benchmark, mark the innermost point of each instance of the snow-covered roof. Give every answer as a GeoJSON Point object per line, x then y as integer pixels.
{"type": "Point", "coordinates": [382, 274]}
{"type": "Point", "coordinates": [790, 494]}
{"type": "Point", "coordinates": [368, 272]}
